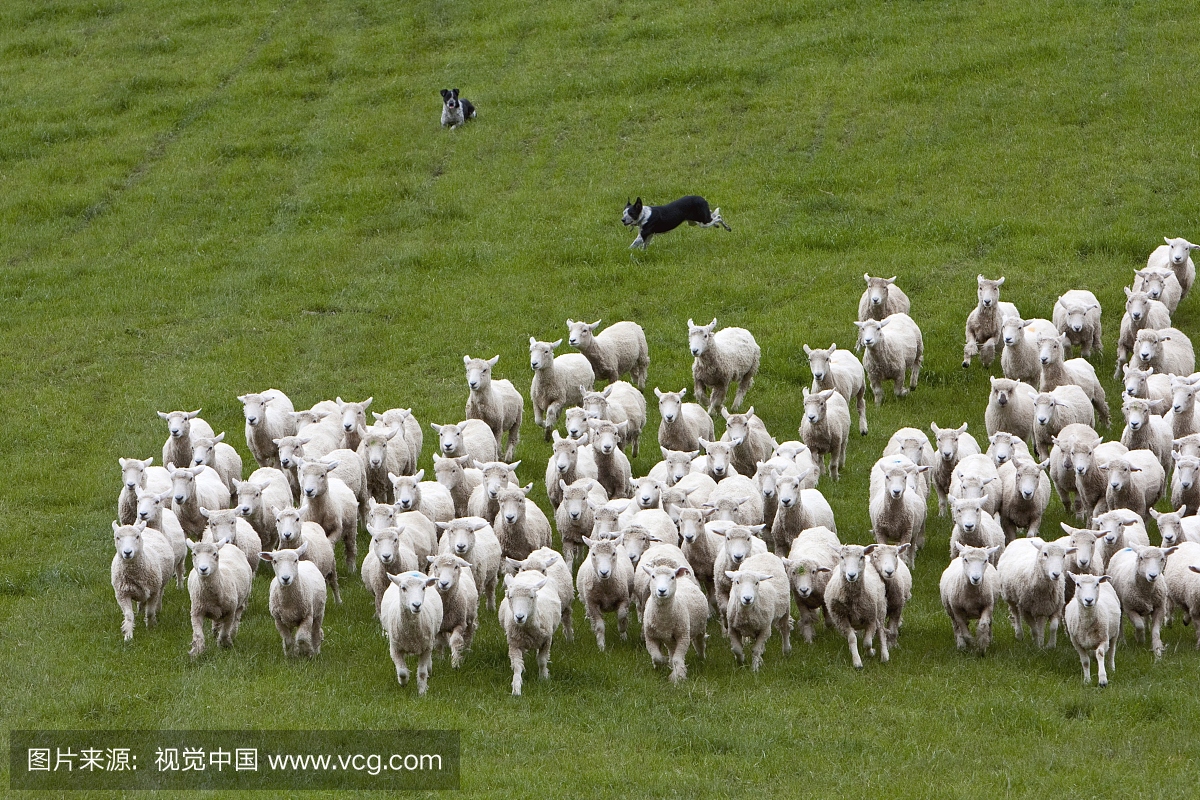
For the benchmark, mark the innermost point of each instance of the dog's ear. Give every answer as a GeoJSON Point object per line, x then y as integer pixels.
{"type": "Point", "coordinates": [445, 94]}
{"type": "Point", "coordinates": [455, 93]}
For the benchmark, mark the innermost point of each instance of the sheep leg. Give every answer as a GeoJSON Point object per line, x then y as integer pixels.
{"type": "Point", "coordinates": [1015, 617]}
{"type": "Point", "coordinates": [401, 667]}
{"type": "Point", "coordinates": [623, 620]}
{"type": "Point", "coordinates": [1112, 653]}
{"type": "Point", "coordinates": [568, 628]}
{"type": "Point", "coordinates": [700, 392]}
{"type": "Point", "coordinates": [568, 554]}
{"type": "Point", "coordinates": [514, 439]}
{"type": "Point", "coordinates": [285, 633]}
{"type": "Point", "coordinates": [756, 650]}
{"type": "Point", "coordinates": [785, 631]}
{"type": "Point", "coordinates": [197, 636]}
{"type": "Point", "coordinates": [1139, 626]}
{"type": "Point", "coordinates": [983, 630]}
{"type": "Point", "coordinates": [130, 617]}
{"type": "Point", "coordinates": [961, 626]}
{"type": "Point", "coordinates": [1122, 358]}
{"type": "Point", "coordinates": [988, 352]}
{"type": "Point", "coordinates": [852, 640]}
{"type": "Point", "coordinates": [489, 589]}
{"type": "Point", "coordinates": [550, 420]}
{"type": "Point", "coordinates": [970, 349]}
{"type": "Point", "coordinates": [678, 654]}
{"type": "Point", "coordinates": [898, 387]}
{"type": "Point", "coordinates": [655, 649]}
{"type": "Point", "coordinates": [743, 389]}
{"type": "Point", "coordinates": [1054, 623]}
{"type": "Point", "coordinates": [883, 644]}
{"type": "Point", "coordinates": [1156, 621]}
{"type": "Point", "coordinates": [595, 617]}
{"type": "Point", "coordinates": [331, 579]}
{"type": "Point", "coordinates": [808, 618]}
{"type": "Point", "coordinates": [735, 644]}
{"type": "Point", "coordinates": [316, 631]}
{"type": "Point", "coordinates": [1038, 626]}
{"type": "Point", "coordinates": [181, 571]}
{"type": "Point", "coordinates": [1085, 660]}
{"type": "Point", "coordinates": [424, 667]}
{"type": "Point", "coordinates": [861, 401]}
{"type": "Point", "coordinates": [877, 389]}
{"type": "Point", "coordinates": [716, 398]}
{"type": "Point", "coordinates": [1103, 673]}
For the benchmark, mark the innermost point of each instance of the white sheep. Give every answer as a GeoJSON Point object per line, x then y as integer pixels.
{"type": "Point", "coordinates": [382, 451]}
{"type": "Point", "coordinates": [1091, 483]}
{"type": "Point", "coordinates": [1010, 408]}
{"type": "Point", "coordinates": [219, 587]}
{"type": "Point", "coordinates": [470, 437]}
{"type": "Point", "coordinates": [414, 493]}
{"type": "Point", "coordinates": [842, 371]}
{"type": "Point", "coordinates": [268, 417]}
{"type": "Point", "coordinates": [1077, 314]}
{"type": "Point", "coordinates": [1147, 430]}
{"type": "Point", "coordinates": [740, 543]}
{"type": "Point", "coordinates": [1175, 528]}
{"type": "Point", "coordinates": [951, 445]}
{"type": "Point", "coordinates": [390, 553]}
{"type": "Point", "coordinates": [682, 425]}
{"type": "Point", "coordinates": [575, 515]}
{"type": "Point", "coordinates": [1183, 583]}
{"type": "Point", "coordinates": [856, 599]}
{"type": "Point", "coordinates": [353, 418]}
{"type": "Point", "coordinates": [984, 321]}
{"type": "Point", "coordinates": [1176, 254]}
{"type": "Point", "coordinates": [889, 562]}
{"type": "Point", "coordinates": [1116, 530]}
{"type": "Point", "coordinates": [571, 460]}
{"type": "Point", "coordinates": [974, 526]}
{"type": "Point", "coordinates": [182, 426]}
{"type": "Point", "coordinates": [717, 461]}
{"type": "Point", "coordinates": [1167, 350]}
{"type": "Point", "coordinates": [619, 403]}
{"type": "Point", "coordinates": [1161, 284]}
{"type": "Point", "coordinates": [460, 604]}
{"type": "Point", "coordinates": [1086, 558]}
{"type": "Point", "coordinates": [293, 532]}
{"type": "Point", "coordinates": [458, 478]}
{"type": "Point", "coordinates": [191, 489]}
{"type": "Point", "coordinates": [890, 355]}
{"type": "Point", "coordinates": [1185, 490]}
{"type": "Point", "coordinates": [1146, 383]}
{"type": "Point", "coordinates": [1141, 311]}
{"type": "Point", "coordinates": [1025, 494]}
{"type": "Point", "coordinates": [414, 434]}
{"type": "Point", "coordinates": [472, 539]}
{"type": "Point", "coordinates": [213, 452]}
{"type": "Point", "coordinates": [1188, 445]}
{"type": "Point", "coordinates": [914, 444]}
{"type": "Point", "coordinates": [138, 474]}
{"type": "Point", "coordinates": [605, 584]}
{"type": "Point", "coordinates": [897, 509]}
{"type": "Point", "coordinates": [1057, 372]}
{"type": "Point", "coordinates": [968, 589]}
{"type": "Point", "coordinates": [1062, 464]}
{"type": "Point", "coordinates": [1031, 582]}
{"type": "Point", "coordinates": [701, 544]}
{"type": "Point", "coordinates": [1136, 481]}
{"type": "Point", "coordinates": [766, 477]}
{"type": "Point", "coordinates": [1003, 446]}
{"type": "Point", "coordinates": [1055, 410]}
{"type": "Point", "coordinates": [484, 497]}
{"type": "Point", "coordinates": [575, 421]}
{"type": "Point", "coordinates": [155, 511]}
{"type": "Point", "coordinates": [809, 565]}
{"type": "Point", "coordinates": [978, 476]}
{"type": "Point", "coordinates": [1093, 620]}
{"type": "Point", "coordinates": [737, 499]}
{"type": "Point", "coordinates": [825, 429]}
{"type": "Point", "coordinates": [721, 359]}
{"type": "Point", "coordinates": [297, 601]}
{"type": "Point", "coordinates": [225, 525]}
{"type": "Point", "coordinates": [259, 498]}
{"type": "Point", "coordinates": [141, 568]}
{"type": "Point", "coordinates": [612, 466]}
{"type": "Point", "coordinates": [619, 349]}
{"type": "Point", "coordinates": [881, 298]}
{"type": "Point", "coordinates": [330, 503]}
{"type": "Point", "coordinates": [411, 618]}
{"type": "Point", "coordinates": [1019, 359]}
{"type": "Point", "coordinates": [799, 510]}
{"type": "Point", "coordinates": [530, 614]}
{"type": "Point", "coordinates": [675, 618]}
{"type": "Point", "coordinates": [758, 601]}
{"type": "Point", "coordinates": [1137, 575]}
{"type": "Point", "coordinates": [1182, 417]}
{"type": "Point", "coordinates": [751, 441]}
{"type": "Point", "coordinates": [496, 402]}
{"type": "Point", "coordinates": [550, 563]}
{"type": "Point", "coordinates": [556, 383]}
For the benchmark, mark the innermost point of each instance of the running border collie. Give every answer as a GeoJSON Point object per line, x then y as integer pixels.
{"type": "Point", "coordinates": [454, 111]}
{"type": "Point", "coordinates": [650, 220]}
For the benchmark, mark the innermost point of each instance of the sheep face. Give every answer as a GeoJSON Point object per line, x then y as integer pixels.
{"type": "Point", "coordinates": [386, 544]}
{"type": "Point", "coordinates": [1002, 447]}
{"type": "Point", "coordinates": [679, 464]}
{"type": "Point", "coordinates": [522, 597]}
{"type": "Point", "coordinates": [179, 423]}
{"type": "Point", "coordinates": [788, 487]}
{"type": "Point", "coordinates": [673, 501]}
{"type": "Point", "coordinates": [1050, 349]}
{"type": "Point", "coordinates": [479, 372]}
{"type": "Point", "coordinates": [802, 574]}
{"type": "Point", "coordinates": [637, 540]}
{"type": "Point", "coordinates": [512, 504]}
{"type": "Point", "coordinates": [204, 449]}
{"type": "Point", "coordinates": [604, 553]}
{"type": "Point", "coordinates": [150, 504]}
{"type": "Point", "coordinates": [1150, 562]}
{"type": "Point", "coordinates": [460, 534]}
{"type": "Point", "coordinates": [574, 500]}
{"type": "Point", "coordinates": [670, 404]}
{"type": "Point", "coordinates": [375, 444]}
{"type": "Point", "coordinates": [1111, 525]}
{"type": "Point", "coordinates": [380, 515]}
{"type": "Point", "coordinates": [974, 562]}
{"type": "Point", "coordinates": [254, 407]}
{"type": "Point", "coordinates": [745, 585]}
{"type": "Point", "coordinates": [286, 563]}
{"type": "Point", "coordinates": [972, 485]}
{"type": "Point", "coordinates": [700, 337]}
{"type": "Point", "coordinates": [1082, 456]}
{"type": "Point", "coordinates": [314, 477]}
{"type": "Point", "coordinates": [814, 405]}
{"type": "Point", "coordinates": [662, 580]}
{"type": "Point", "coordinates": [183, 484]}
{"type": "Point", "coordinates": [1137, 304]}
{"type": "Point", "coordinates": [223, 522]}
{"type": "Point", "coordinates": [737, 426]}
{"type": "Point", "coordinates": [871, 332]}
{"type": "Point", "coordinates": [577, 421]}
{"type": "Point", "coordinates": [726, 508]}
{"type": "Point", "coordinates": [647, 492]}
{"type": "Point", "coordinates": [128, 539]}
{"type": "Point", "coordinates": [854, 560]}
{"type": "Point", "coordinates": [877, 290]}
{"type": "Point", "coordinates": [1183, 396]}
{"type": "Point", "coordinates": [288, 525]}
{"type": "Point", "coordinates": [767, 478]}
{"type": "Point", "coordinates": [595, 405]}
{"type": "Point", "coordinates": [967, 512]}
{"type": "Point", "coordinates": [291, 449]}
{"type": "Point", "coordinates": [1137, 381]}
{"type": "Point", "coordinates": [1179, 251]}
{"type": "Point", "coordinates": [604, 520]}
{"type": "Point", "coordinates": [206, 557]}
{"type": "Point", "coordinates": [1012, 330]}
{"type": "Point", "coordinates": [450, 437]}
{"type": "Point", "coordinates": [445, 568]}
{"type": "Point", "coordinates": [412, 590]}
{"type": "Point", "coordinates": [541, 354]}
{"type": "Point", "coordinates": [579, 334]}
{"type": "Point", "coordinates": [249, 498]}
{"type": "Point", "coordinates": [1003, 389]}
{"type": "Point", "coordinates": [720, 454]}
{"type": "Point", "coordinates": [886, 559]}
{"type": "Point", "coordinates": [133, 470]}
{"type": "Point", "coordinates": [818, 360]}
{"type": "Point", "coordinates": [354, 415]}
{"type": "Point", "coordinates": [1185, 470]}
{"type": "Point", "coordinates": [739, 543]}
{"type": "Point", "coordinates": [603, 435]}
{"type": "Point", "coordinates": [1087, 588]}
{"type": "Point", "coordinates": [1148, 346]}
{"type": "Point", "coordinates": [988, 292]}
{"type": "Point", "coordinates": [1051, 559]}
{"type": "Point", "coordinates": [1028, 478]}
{"type": "Point", "coordinates": [449, 471]}
{"type": "Point", "coordinates": [406, 491]}
{"type": "Point", "coordinates": [1119, 473]}
{"type": "Point", "coordinates": [1136, 411]}
{"type": "Point", "coordinates": [895, 480]}
{"type": "Point", "coordinates": [947, 441]}
{"type": "Point", "coordinates": [497, 475]}
{"type": "Point", "coordinates": [1043, 408]}
{"type": "Point", "coordinates": [912, 447]}
{"type": "Point", "coordinates": [566, 452]}
{"type": "Point", "coordinates": [1084, 542]}
{"type": "Point", "coordinates": [691, 524]}
{"type": "Point", "coordinates": [1077, 315]}
{"type": "Point", "coordinates": [1154, 281]}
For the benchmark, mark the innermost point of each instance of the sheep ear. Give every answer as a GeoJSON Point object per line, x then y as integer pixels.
{"type": "Point", "coordinates": [161, 415]}
{"type": "Point", "coordinates": [302, 549]}
{"type": "Point", "coordinates": [724, 413]}
{"type": "Point", "coordinates": [555, 343]}
{"type": "Point", "coordinates": [116, 526]}
{"type": "Point", "coordinates": [903, 547]}
{"type": "Point", "coordinates": [956, 548]}
{"type": "Point", "coordinates": [658, 393]}
{"type": "Point", "coordinates": [869, 549]}
{"type": "Point", "coordinates": [682, 392]}
{"type": "Point", "coordinates": [731, 575]}
{"type": "Point", "coordinates": [867, 277]}
{"type": "Point", "coordinates": [807, 350]}
{"type": "Point", "coordinates": [646, 569]}
{"type": "Point", "coordinates": [267, 555]}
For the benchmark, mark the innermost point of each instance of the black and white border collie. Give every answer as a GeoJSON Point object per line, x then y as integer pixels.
{"type": "Point", "coordinates": [454, 111]}
{"type": "Point", "coordinates": [650, 220]}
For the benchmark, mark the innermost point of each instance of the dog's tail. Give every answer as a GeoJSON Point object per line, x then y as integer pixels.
{"type": "Point", "coordinates": [717, 220]}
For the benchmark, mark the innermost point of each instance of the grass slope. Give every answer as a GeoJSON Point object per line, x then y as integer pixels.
{"type": "Point", "coordinates": [204, 199]}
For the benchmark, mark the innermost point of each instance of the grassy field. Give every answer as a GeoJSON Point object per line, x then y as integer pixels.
{"type": "Point", "coordinates": [203, 199]}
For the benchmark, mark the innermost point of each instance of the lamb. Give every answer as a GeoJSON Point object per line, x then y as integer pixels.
{"type": "Point", "coordinates": [412, 617]}
{"type": "Point", "coordinates": [1093, 620]}
{"type": "Point", "coordinates": [382, 451]}
{"type": "Point", "coordinates": [575, 421]}
{"type": "Point", "coordinates": [1135, 574]}
{"type": "Point", "coordinates": [620, 348]}
{"type": "Point", "coordinates": [496, 403]}
{"type": "Point", "coordinates": [619, 403]}
{"type": "Point", "coordinates": [881, 298]}
{"type": "Point", "coordinates": [574, 518]}
{"type": "Point", "coordinates": [722, 359]}
{"type": "Point", "coordinates": [1185, 491]}
{"type": "Point", "coordinates": [550, 563]}
{"type": "Point", "coordinates": [182, 427]}
{"type": "Point", "coordinates": [141, 567]}
{"type": "Point", "coordinates": [842, 371]}
{"type": "Point", "coordinates": [809, 564]}
{"type": "Point", "coordinates": [758, 601]}
{"type": "Point", "coordinates": [676, 616]}
{"type": "Point", "coordinates": [889, 355]}
{"type": "Point", "coordinates": [268, 417]}
{"type": "Point", "coordinates": [154, 511]}
{"type": "Point", "coordinates": [1182, 417]}
{"type": "Point", "coordinates": [219, 587]}
{"type": "Point", "coordinates": [1167, 350]}
{"type": "Point", "coordinates": [1146, 430]}
{"type": "Point", "coordinates": [612, 466]}
{"type": "Point", "coordinates": [1025, 489]}
{"type": "Point", "coordinates": [193, 488]}
{"type": "Point", "coordinates": [496, 475]}
{"type": "Point", "coordinates": [1176, 254]}
{"type": "Point", "coordinates": [751, 441]}
{"type": "Point", "coordinates": [799, 510]}
{"type": "Point", "coordinates": [974, 526]}
{"type": "Point", "coordinates": [1141, 312]}
{"type": "Point", "coordinates": [556, 383]}
{"type": "Point", "coordinates": [605, 582]}
{"type": "Point", "coordinates": [1146, 383]}
{"type": "Point", "coordinates": [460, 604]}
{"type": "Point", "coordinates": [1175, 528]}
{"type": "Point", "coordinates": [968, 588]}
{"type": "Point", "coordinates": [313, 442]}
{"type": "Point", "coordinates": [1031, 582]}
{"type": "Point", "coordinates": [572, 460]}
{"type": "Point", "coordinates": [472, 539]}
{"type": "Point", "coordinates": [138, 474]}
{"type": "Point", "coordinates": [1116, 530]}
{"type": "Point", "coordinates": [1077, 315]}
{"type": "Point", "coordinates": [1053, 411]}
{"type": "Point", "coordinates": [293, 532]}
{"type": "Point", "coordinates": [825, 429]}
{"type": "Point", "coordinates": [1057, 372]}
{"type": "Point", "coordinates": [530, 614]}
{"type": "Point", "coordinates": [1019, 359]}
{"type": "Point", "coordinates": [402, 418]}
{"type": "Point", "coordinates": [953, 444]}
{"type": "Point", "coordinates": [977, 476]}
{"type": "Point", "coordinates": [856, 599]}
{"type": "Point", "coordinates": [259, 498]}
{"type": "Point", "coordinates": [224, 525]}
{"type": "Point", "coordinates": [390, 553]}
{"type": "Point", "coordinates": [468, 438]}
{"type": "Point", "coordinates": [213, 452]}
{"type": "Point", "coordinates": [1136, 481]}
{"type": "Point", "coordinates": [458, 478]}
{"type": "Point", "coordinates": [1091, 484]}
{"type": "Point", "coordinates": [297, 601]}
{"type": "Point", "coordinates": [1183, 587]}
{"type": "Point", "coordinates": [682, 425]}
{"type": "Point", "coordinates": [1161, 284]}
{"type": "Point", "coordinates": [330, 503]}
{"type": "Point", "coordinates": [984, 321]}
{"type": "Point", "coordinates": [897, 511]}
{"type": "Point", "coordinates": [414, 493]}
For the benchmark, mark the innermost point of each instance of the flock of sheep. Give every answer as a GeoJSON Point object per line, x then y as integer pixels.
{"type": "Point", "coordinates": [734, 528]}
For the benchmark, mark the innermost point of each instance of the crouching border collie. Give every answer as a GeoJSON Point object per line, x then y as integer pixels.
{"type": "Point", "coordinates": [650, 220]}
{"type": "Point", "coordinates": [454, 111]}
